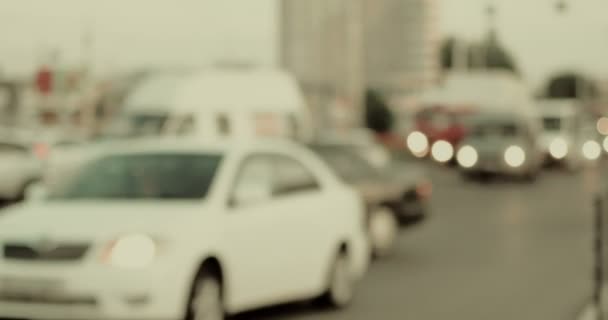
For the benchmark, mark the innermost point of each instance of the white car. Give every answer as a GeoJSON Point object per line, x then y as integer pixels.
{"type": "Point", "coordinates": [503, 143]}
{"type": "Point", "coordinates": [19, 168]}
{"type": "Point", "coordinates": [25, 156]}
{"type": "Point", "coordinates": [183, 231]}
{"type": "Point", "coordinates": [569, 137]}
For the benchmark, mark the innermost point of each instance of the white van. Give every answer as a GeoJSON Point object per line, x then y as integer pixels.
{"type": "Point", "coordinates": [216, 103]}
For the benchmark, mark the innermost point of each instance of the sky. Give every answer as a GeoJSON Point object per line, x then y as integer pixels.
{"type": "Point", "coordinates": [542, 40]}
{"type": "Point", "coordinates": [130, 33]}
{"type": "Point", "coordinates": [136, 32]}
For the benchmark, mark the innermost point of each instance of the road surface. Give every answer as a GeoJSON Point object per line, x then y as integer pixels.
{"type": "Point", "coordinates": [503, 250]}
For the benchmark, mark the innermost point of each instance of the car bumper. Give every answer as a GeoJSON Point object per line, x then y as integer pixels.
{"type": "Point", "coordinates": [498, 167]}
{"type": "Point", "coordinates": [54, 292]}
{"type": "Point", "coordinates": [413, 211]}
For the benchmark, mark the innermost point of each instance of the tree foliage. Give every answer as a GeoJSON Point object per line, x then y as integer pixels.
{"type": "Point", "coordinates": [487, 54]}
{"type": "Point", "coordinates": [378, 116]}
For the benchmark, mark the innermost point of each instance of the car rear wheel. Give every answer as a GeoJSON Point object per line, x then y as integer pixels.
{"type": "Point", "coordinates": [383, 231]}
{"type": "Point", "coordinates": [206, 302]}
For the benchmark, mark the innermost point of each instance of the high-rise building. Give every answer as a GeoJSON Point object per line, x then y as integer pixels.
{"type": "Point", "coordinates": [402, 44]}
{"type": "Point", "coordinates": [337, 48]}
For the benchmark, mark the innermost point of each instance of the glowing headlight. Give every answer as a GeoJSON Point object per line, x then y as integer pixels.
{"type": "Point", "coordinates": [467, 157]}
{"type": "Point", "coordinates": [558, 148]}
{"type": "Point", "coordinates": [592, 150]}
{"type": "Point", "coordinates": [606, 144]}
{"type": "Point", "coordinates": [602, 126]}
{"type": "Point", "coordinates": [418, 143]}
{"type": "Point", "coordinates": [132, 252]}
{"type": "Point", "coordinates": [515, 156]}
{"type": "Point", "coordinates": [442, 151]}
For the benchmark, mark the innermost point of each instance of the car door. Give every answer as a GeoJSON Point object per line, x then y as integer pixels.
{"type": "Point", "coordinates": [257, 231]}
{"type": "Point", "coordinates": [300, 196]}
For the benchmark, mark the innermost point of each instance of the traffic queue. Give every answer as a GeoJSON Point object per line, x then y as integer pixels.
{"type": "Point", "coordinates": [503, 130]}
{"type": "Point", "coordinates": [199, 203]}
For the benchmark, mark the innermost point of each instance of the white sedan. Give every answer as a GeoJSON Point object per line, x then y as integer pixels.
{"type": "Point", "coordinates": [176, 231]}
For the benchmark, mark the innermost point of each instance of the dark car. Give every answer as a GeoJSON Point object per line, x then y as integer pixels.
{"type": "Point", "coordinates": [396, 195]}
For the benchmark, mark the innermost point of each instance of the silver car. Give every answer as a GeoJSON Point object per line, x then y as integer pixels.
{"type": "Point", "coordinates": [569, 136]}
{"type": "Point", "coordinates": [504, 143]}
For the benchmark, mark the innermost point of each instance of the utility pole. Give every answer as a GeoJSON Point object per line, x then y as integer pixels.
{"type": "Point", "coordinates": [356, 75]}
{"type": "Point", "coordinates": [491, 13]}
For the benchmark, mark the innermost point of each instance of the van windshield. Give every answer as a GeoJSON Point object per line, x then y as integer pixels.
{"type": "Point", "coordinates": [137, 126]}
{"type": "Point", "coordinates": [552, 123]}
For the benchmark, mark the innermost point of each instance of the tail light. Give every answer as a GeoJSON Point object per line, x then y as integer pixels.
{"type": "Point", "coordinates": [424, 189]}
{"type": "Point", "coordinates": [42, 151]}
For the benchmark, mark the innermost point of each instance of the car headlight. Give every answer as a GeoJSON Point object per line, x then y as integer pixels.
{"type": "Point", "coordinates": [467, 157]}
{"type": "Point", "coordinates": [442, 151]}
{"type": "Point", "coordinates": [515, 156]}
{"type": "Point", "coordinates": [418, 143]}
{"type": "Point", "coordinates": [602, 126]}
{"type": "Point", "coordinates": [558, 148]}
{"type": "Point", "coordinates": [134, 251]}
{"type": "Point", "coordinates": [592, 150]}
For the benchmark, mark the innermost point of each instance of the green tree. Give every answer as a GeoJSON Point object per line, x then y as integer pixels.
{"type": "Point", "coordinates": [378, 116]}
{"type": "Point", "coordinates": [487, 54]}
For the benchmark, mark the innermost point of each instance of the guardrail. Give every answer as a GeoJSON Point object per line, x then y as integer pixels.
{"type": "Point", "coordinates": [598, 249]}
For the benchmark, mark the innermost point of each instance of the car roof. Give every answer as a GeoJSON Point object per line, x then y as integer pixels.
{"type": "Point", "coordinates": [181, 145]}
{"type": "Point", "coordinates": [213, 90]}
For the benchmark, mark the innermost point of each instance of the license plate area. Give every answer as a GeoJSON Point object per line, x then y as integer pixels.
{"type": "Point", "coordinates": [29, 288]}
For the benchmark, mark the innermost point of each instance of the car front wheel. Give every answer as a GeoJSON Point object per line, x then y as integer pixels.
{"type": "Point", "coordinates": [341, 284]}
{"type": "Point", "coordinates": [206, 302]}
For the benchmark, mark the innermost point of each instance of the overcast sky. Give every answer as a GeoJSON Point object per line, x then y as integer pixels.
{"type": "Point", "coordinates": [542, 40]}
{"type": "Point", "coordinates": [143, 32]}
{"type": "Point", "coordinates": [137, 32]}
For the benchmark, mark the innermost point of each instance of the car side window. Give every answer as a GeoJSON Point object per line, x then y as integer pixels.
{"type": "Point", "coordinates": [292, 177]}
{"type": "Point", "coordinates": [12, 148]}
{"type": "Point", "coordinates": [254, 182]}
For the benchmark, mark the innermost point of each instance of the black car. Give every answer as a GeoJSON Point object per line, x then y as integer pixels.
{"type": "Point", "coordinates": [396, 195]}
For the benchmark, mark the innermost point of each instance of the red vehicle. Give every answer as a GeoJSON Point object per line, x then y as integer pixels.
{"type": "Point", "coordinates": [442, 129]}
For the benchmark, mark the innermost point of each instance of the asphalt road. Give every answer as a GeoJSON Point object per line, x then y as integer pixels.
{"type": "Point", "coordinates": [500, 250]}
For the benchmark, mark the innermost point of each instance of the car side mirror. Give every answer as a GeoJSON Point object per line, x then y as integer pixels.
{"type": "Point", "coordinates": [36, 192]}
{"type": "Point", "coordinates": [250, 194]}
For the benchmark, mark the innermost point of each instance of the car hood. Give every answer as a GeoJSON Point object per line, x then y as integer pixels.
{"type": "Point", "coordinates": [392, 183]}
{"type": "Point", "coordinates": [94, 219]}
{"type": "Point", "coordinates": [492, 146]}
{"type": "Point", "coordinates": [547, 138]}
{"type": "Point", "coordinates": [376, 191]}
{"type": "Point", "coordinates": [409, 174]}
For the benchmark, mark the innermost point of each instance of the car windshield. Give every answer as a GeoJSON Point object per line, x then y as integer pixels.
{"type": "Point", "coordinates": [346, 162]}
{"type": "Point", "coordinates": [143, 176]}
{"type": "Point", "coordinates": [552, 124]}
{"type": "Point", "coordinates": [504, 130]}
